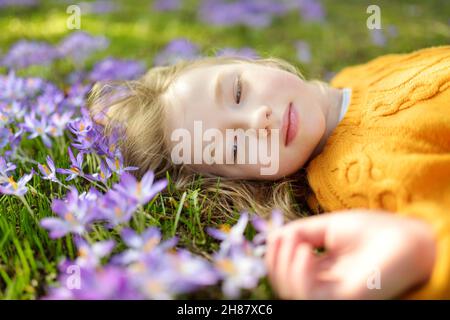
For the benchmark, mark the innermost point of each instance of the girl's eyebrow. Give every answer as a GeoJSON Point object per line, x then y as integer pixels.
{"type": "Point", "coordinates": [218, 94]}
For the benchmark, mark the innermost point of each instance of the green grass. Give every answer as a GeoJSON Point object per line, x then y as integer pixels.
{"type": "Point", "coordinates": [28, 258]}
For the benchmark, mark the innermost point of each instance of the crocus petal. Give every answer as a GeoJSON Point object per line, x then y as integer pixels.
{"type": "Point", "coordinates": [131, 238]}
{"type": "Point", "coordinates": [50, 163]}
{"type": "Point", "coordinates": [103, 248]}
{"type": "Point", "coordinates": [216, 233]}
{"type": "Point", "coordinates": [25, 178]}
{"type": "Point", "coordinates": [57, 227]}
{"type": "Point", "coordinates": [151, 232]}
{"type": "Point", "coordinates": [260, 224]}
{"type": "Point", "coordinates": [147, 179]}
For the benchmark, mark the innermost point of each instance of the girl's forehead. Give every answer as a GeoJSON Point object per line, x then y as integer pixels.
{"type": "Point", "coordinates": [194, 82]}
{"type": "Point", "coordinates": [212, 69]}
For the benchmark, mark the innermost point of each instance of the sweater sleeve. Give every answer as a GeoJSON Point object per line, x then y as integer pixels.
{"type": "Point", "coordinates": [438, 284]}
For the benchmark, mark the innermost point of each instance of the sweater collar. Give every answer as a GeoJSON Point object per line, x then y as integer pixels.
{"type": "Point", "coordinates": [346, 95]}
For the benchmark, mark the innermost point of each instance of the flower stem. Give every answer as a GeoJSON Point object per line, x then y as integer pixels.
{"type": "Point", "coordinates": [61, 184]}
{"type": "Point", "coordinates": [95, 184]}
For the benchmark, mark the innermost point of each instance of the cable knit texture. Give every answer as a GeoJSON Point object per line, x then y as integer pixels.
{"type": "Point", "coordinates": [391, 150]}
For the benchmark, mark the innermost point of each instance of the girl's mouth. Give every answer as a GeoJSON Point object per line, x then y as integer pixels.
{"type": "Point", "coordinates": [290, 124]}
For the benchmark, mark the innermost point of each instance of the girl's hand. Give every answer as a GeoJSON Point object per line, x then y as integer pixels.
{"type": "Point", "coordinates": [368, 255]}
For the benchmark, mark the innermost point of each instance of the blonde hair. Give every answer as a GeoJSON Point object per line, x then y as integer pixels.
{"type": "Point", "coordinates": [138, 108]}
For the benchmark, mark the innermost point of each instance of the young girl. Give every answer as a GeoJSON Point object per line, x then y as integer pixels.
{"type": "Point", "coordinates": [373, 148]}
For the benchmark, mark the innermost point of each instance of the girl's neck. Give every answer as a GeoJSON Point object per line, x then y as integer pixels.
{"type": "Point", "coordinates": [331, 104]}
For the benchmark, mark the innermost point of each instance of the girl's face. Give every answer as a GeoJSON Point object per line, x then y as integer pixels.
{"type": "Point", "coordinates": [243, 96]}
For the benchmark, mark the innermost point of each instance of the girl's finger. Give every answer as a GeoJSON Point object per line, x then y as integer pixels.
{"type": "Point", "coordinates": [302, 272]}
{"type": "Point", "coordinates": [273, 245]}
{"type": "Point", "coordinates": [289, 245]}
{"type": "Point", "coordinates": [283, 243]}
{"type": "Point", "coordinates": [310, 229]}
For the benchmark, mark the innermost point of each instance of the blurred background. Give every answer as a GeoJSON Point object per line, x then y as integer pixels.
{"type": "Point", "coordinates": [319, 36]}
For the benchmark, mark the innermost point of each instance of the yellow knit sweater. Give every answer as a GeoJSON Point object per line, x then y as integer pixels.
{"type": "Point", "coordinates": [391, 150]}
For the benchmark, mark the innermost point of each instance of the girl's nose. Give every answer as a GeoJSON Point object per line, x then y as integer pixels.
{"type": "Point", "coordinates": [261, 118]}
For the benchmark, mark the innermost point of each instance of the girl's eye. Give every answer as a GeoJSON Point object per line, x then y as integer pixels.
{"type": "Point", "coordinates": [235, 150]}
{"type": "Point", "coordinates": [238, 90]}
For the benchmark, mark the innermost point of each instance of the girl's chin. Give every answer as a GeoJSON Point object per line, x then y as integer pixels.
{"type": "Point", "coordinates": [293, 171]}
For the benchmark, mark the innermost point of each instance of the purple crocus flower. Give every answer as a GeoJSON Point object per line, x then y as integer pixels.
{"type": "Point", "coordinates": [13, 139]}
{"type": "Point", "coordinates": [86, 142]}
{"type": "Point", "coordinates": [18, 3]}
{"type": "Point", "coordinates": [163, 275]}
{"type": "Point", "coordinates": [79, 45]}
{"type": "Point", "coordinates": [239, 270]}
{"type": "Point", "coordinates": [26, 53]}
{"type": "Point", "coordinates": [140, 245]}
{"type": "Point", "coordinates": [99, 7]}
{"type": "Point", "coordinates": [166, 5]}
{"type": "Point", "coordinates": [92, 196]}
{"type": "Point", "coordinates": [191, 271]}
{"type": "Point", "coordinates": [140, 191]}
{"type": "Point", "coordinates": [152, 284]}
{"type": "Point", "coordinates": [59, 121]}
{"type": "Point", "coordinates": [253, 13]}
{"type": "Point", "coordinates": [104, 173]}
{"type": "Point", "coordinates": [76, 97]}
{"type": "Point", "coordinates": [89, 256]}
{"type": "Point", "coordinates": [15, 88]}
{"type": "Point", "coordinates": [116, 164]}
{"type": "Point", "coordinates": [116, 69]}
{"type": "Point", "coordinates": [312, 10]}
{"type": "Point", "coordinates": [265, 226]}
{"type": "Point", "coordinates": [76, 168]}
{"type": "Point", "coordinates": [75, 215]}
{"type": "Point", "coordinates": [303, 51]}
{"type": "Point", "coordinates": [46, 105]}
{"type": "Point", "coordinates": [178, 49]}
{"type": "Point", "coordinates": [4, 136]}
{"type": "Point", "coordinates": [16, 188]}
{"type": "Point", "coordinates": [5, 167]}
{"type": "Point", "coordinates": [80, 126]}
{"type": "Point", "coordinates": [108, 144]}
{"type": "Point", "coordinates": [107, 283]}
{"type": "Point", "coordinates": [5, 120]}
{"type": "Point", "coordinates": [85, 133]}
{"type": "Point", "coordinates": [12, 110]}
{"type": "Point", "coordinates": [48, 170]}
{"type": "Point", "coordinates": [378, 38]}
{"type": "Point", "coordinates": [151, 267]}
{"type": "Point", "coordinates": [38, 127]}
{"type": "Point", "coordinates": [230, 237]}
{"type": "Point", "coordinates": [116, 208]}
